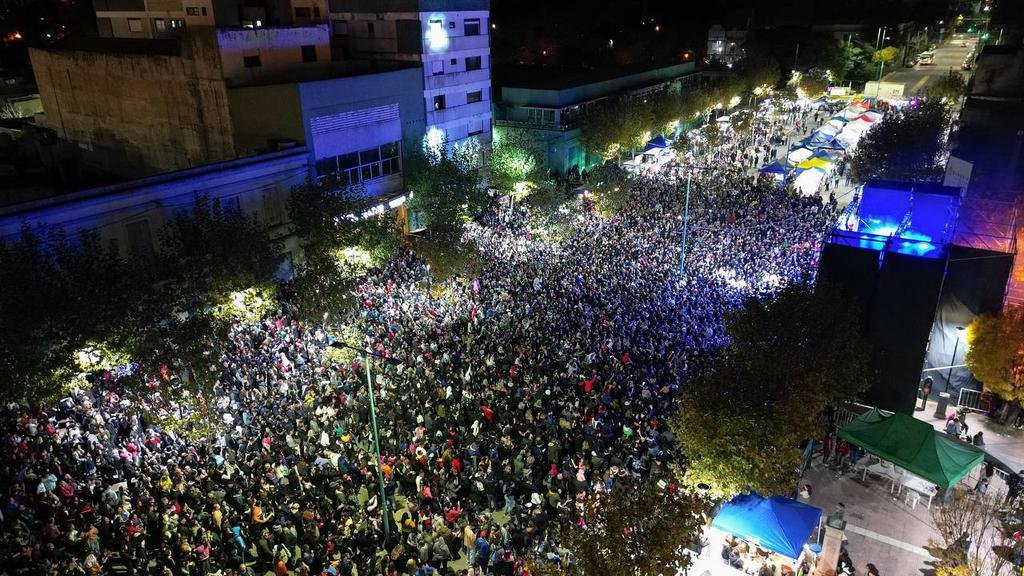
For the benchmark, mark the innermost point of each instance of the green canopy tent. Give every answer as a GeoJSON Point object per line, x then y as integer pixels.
{"type": "Point", "coordinates": [912, 445]}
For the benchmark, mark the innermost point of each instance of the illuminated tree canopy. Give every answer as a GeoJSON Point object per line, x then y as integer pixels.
{"type": "Point", "coordinates": [995, 353]}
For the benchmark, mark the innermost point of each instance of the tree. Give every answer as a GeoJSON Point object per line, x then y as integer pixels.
{"type": "Point", "coordinates": [516, 161]}
{"type": "Point", "coordinates": [967, 528]}
{"type": "Point", "coordinates": [448, 256]}
{"type": "Point", "coordinates": [741, 425]}
{"type": "Point", "coordinates": [906, 145]}
{"type": "Point", "coordinates": [635, 530]}
{"type": "Point", "coordinates": [884, 56]}
{"type": "Point", "coordinates": [712, 135]}
{"type": "Point", "coordinates": [683, 145]}
{"type": "Point", "coordinates": [610, 187]}
{"type": "Point", "coordinates": [446, 188]}
{"type": "Point", "coordinates": [995, 352]}
{"type": "Point", "coordinates": [7, 109]}
{"type": "Point", "coordinates": [949, 88]}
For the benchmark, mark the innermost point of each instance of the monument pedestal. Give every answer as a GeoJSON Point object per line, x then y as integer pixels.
{"type": "Point", "coordinates": [830, 548]}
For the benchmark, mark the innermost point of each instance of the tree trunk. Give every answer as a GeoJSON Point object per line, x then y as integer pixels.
{"type": "Point", "coordinates": [1012, 410]}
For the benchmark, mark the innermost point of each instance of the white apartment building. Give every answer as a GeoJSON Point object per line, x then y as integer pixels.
{"type": "Point", "coordinates": [452, 41]}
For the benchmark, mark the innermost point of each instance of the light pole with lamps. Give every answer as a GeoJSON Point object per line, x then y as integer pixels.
{"type": "Point", "coordinates": [952, 361]}
{"type": "Point", "coordinates": [376, 436]}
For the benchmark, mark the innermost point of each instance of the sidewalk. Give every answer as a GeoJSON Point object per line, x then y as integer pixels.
{"type": "Point", "coordinates": [880, 528]}
{"type": "Point", "coordinates": [1004, 444]}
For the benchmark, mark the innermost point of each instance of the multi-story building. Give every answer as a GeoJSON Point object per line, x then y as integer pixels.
{"type": "Point", "coordinates": [725, 46]}
{"type": "Point", "coordinates": [549, 105]}
{"type": "Point", "coordinates": [449, 38]}
{"type": "Point", "coordinates": [141, 106]}
{"type": "Point", "coordinates": [172, 18]}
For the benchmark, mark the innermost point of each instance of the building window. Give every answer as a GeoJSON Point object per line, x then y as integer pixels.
{"type": "Point", "coordinates": [474, 97]}
{"type": "Point", "coordinates": [341, 28]}
{"type": "Point", "coordinates": [160, 24]}
{"type": "Point", "coordinates": [356, 167]}
{"type": "Point", "coordinates": [252, 61]}
{"type": "Point", "coordinates": [176, 24]}
{"type": "Point", "coordinates": [309, 53]}
{"type": "Point", "coordinates": [437, 67]}
{"type": "Point", "coordinates": [195, 11]}
{"type": "Point", "coordinates": [135, 24]}
{"type": "Point", "coordinates": [451, 25]}
{"type": "Point", "coordinates": [454, 61]}
{"type": "Point", "coordinates": [472, 27]}
{"type": "Point", "coordinates": [476, 127]}
{"type": "Point", "coordinates": [439, 102]}
{"type": "Point", "coordinates": [473, 63]}
{"type": "Point", "coordinates": [303, 13]}
{"type": "Point", "coordinates": [541, 116]}
{"type": "Point", "coordinates": [316, 12]}
{"type": "Point", "coordinates": [369, 29]}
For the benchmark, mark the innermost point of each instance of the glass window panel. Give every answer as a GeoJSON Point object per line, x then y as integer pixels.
{"type": "Point", "coordinates": [389, 150]}
{"type": "Point", "coordinates": [327, 165]}
{"type": "Point", "coordinates": [350, 160]}
{"type": "Point", "coordinates": [367, 156]}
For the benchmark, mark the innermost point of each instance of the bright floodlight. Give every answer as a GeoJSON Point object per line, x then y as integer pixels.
{"type": "Point", "coordinates": [437, 36]}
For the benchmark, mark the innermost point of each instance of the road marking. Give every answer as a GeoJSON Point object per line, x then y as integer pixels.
{"type": "Point", "coordinates": [919, 550]}
{"type": "Point", "coordinates": [920, 83]}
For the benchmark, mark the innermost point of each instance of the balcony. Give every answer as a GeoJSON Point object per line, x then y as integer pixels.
{"type": "Point", "coordinates": [456, 79]}
{"type": "Point", "coordinates": [532, 125]}
{"type": "Point", "coordinates": [478, 42]}
{"type": "Point", "coordinates": [436, 117]}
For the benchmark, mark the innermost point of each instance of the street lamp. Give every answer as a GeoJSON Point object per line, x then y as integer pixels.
{"type": "Point", "coordinates": [952, 360]}
{"type": "Point", "coordinates": [376, 436]}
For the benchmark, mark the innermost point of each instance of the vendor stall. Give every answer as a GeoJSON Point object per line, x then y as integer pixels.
{"type": "Point", "coordinates": [914, 446]}
{"type": "Point", "coordinates": [754, 531]}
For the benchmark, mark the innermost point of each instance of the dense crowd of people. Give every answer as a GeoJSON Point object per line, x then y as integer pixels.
{"type": "Point", "coordinates": [501, 401]}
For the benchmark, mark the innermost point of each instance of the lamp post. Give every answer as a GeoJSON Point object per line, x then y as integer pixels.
{"type": "Point", "coordinates": [952, 360]}
{"type": "Point", "coordinates": [376, 436]}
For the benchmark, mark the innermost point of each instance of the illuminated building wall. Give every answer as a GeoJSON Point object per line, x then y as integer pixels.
{"type": "Point", "coordinates": [450, 38]}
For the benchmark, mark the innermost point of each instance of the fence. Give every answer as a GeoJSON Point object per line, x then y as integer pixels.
{"type": "Point", "coordinates": [976, 400]}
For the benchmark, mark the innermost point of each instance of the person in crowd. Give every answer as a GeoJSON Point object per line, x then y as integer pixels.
{"type": "Point", "coordinates": [501, 401]}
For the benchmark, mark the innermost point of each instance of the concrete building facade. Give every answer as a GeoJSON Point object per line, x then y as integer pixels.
{"type": "Point", "coordinates": [137, 107]}
{"type": "Point", "coordinates": [131, 214]}
{"type": "Point", "coordinates": [449, 38]}
{"type": "Point", "coordinates": [550, 107]}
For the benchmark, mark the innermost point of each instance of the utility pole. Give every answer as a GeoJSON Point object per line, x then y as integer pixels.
{"type": "Point", "coordinates": [385, 515]}
{"type": "Point", "coordinates": [796, 56]}
{"type": "Point", "coordinates": [881, 38]}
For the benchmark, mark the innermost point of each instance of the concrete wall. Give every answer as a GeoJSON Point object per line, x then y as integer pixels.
{"type": "Point", "coordinates": [138, 114]}
{"type": "Point", "coordinates": [124, 212]}
{"type": "Point", "coordinates": [254, 127]}
{"type": "Point", "coordinates": [279, 51]}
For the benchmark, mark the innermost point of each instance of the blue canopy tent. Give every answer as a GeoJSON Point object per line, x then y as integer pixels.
{"type": "Point", "coordinates": [823, 154]}
{"type": "Point", "coordinates": [775, 167]}
{"type": "Point", "coordinates": [658, 142]}
{"type": "Point", "coordinates": [777, 523]}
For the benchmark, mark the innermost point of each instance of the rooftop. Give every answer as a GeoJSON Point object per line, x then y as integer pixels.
{"type": "Point", "coordinates": [141, 46]}
{"type": "Point", "coordinates": [338, 69]}
{"type": "Point", "coordinates": [563, 78]}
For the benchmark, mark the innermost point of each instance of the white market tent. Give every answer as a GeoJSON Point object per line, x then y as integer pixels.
{"type": "Point", "coordinates": [798, 155]}
{"type": "Point", "coordinates": [808, 181]}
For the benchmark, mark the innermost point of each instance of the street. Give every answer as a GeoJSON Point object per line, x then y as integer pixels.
{"type": "Point", "coordinates": [948, 56]}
